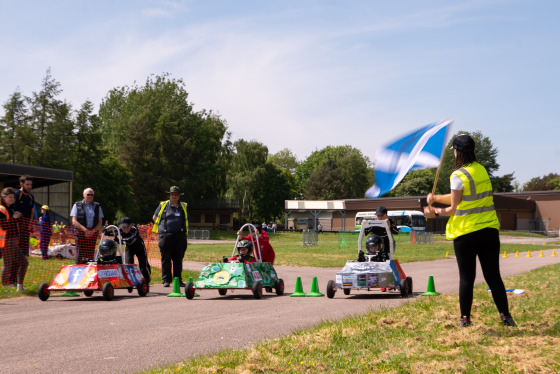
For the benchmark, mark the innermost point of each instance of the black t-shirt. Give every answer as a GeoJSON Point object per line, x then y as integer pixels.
{"type": "Point", "coordinates": [24, 203]}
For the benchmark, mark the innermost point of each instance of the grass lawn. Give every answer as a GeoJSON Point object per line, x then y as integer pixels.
{"type": "Point", "coordinates": [419, 337]}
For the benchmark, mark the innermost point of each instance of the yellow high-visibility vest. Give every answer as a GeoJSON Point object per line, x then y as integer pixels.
{"type": "Point", "coordinates": [162, 205]}
{"type": "Point", "coordinates": [476, 210]}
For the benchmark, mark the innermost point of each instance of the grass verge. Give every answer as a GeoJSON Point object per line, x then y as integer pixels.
{"type": "Point", "coordinates": [418, 337]}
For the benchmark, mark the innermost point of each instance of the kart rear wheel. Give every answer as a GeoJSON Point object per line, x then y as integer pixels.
{"type": "Point", "coordinates": [331, 289]}
{"type": "Point", "coordinates": [346, 291]}
{"type": "Point", "coordinates": [404, 288]}
{"type": "Point", "coordinates": [257, 290]}
{"type": "Point", "coordinates": [279, 287]}
{"type": "Point", "coordinates": [44, 292]}
{"type": "Point", "coordinates": [108, 291]}
{"type": "Point", "coordinates": [409, 281]}
{"type": "Point", "coordinates": [143, 288]}
{"type": "Point", "coordinates": [222, 291]}
{"type": "Point", "coordinates": [88, 293]}
{"type": "Point", "coordinates": [189, 290]}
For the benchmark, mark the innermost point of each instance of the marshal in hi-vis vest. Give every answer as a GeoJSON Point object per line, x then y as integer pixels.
{"type": "Point", "coordinates": [476, 210]}
{"type": "Point", "coordinates": [163, 205]}
{"type": "Point", "coordinates": [3, 232]}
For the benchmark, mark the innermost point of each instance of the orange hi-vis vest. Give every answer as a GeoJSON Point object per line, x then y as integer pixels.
{"type": "Point", "coordinates": [3, 233]}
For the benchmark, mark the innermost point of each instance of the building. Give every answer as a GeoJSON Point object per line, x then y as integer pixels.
{"type": "Point", "coordinates": [534, 211]}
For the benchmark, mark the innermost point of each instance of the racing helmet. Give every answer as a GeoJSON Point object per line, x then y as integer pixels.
{"type": "Point", "coordinates": [245, 244]}
{"type": "Point", "coordinates": [374, 243]}
{"type": "Point", "coordinates": [107, 250]}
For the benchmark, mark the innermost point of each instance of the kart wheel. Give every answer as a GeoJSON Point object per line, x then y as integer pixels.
{"type": "Point", "coordinates": [257, 290]}
{"type": "Point", "coordinates": [279, 287]}
{"type": "Point", "coordinates": [108, 291]}
{"type": "Point", "coordinates": [189, 290]}
{"type": "Point", "coordinates": [409, 281]}
{"type": "Point", "coordinates": [88, 293]}
{"type": "Point", "coordinates": [346, 291]}
{"type": "Point", "coordinates": [404, 288]}
{"type": "Point", "coordinates": [222, 291]}
{"type": "Point", "coordinates": [130, 289]}
{"type": "Point", "coordinates": [331, 289]}
{"type": "Point", "coordinates": [143, 288]}
{"type": "Point", "coordinates": [44, 292]}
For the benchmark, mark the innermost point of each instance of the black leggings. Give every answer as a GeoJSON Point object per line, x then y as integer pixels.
{"type": "Point", "coordinates": [485, 244]}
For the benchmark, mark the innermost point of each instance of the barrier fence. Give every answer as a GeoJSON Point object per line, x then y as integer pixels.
{"type": "Point", "coordinates": [310, 237]}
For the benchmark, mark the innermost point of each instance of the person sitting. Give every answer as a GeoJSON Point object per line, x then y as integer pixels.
{"type": "Point", "coordinates": [108, 252]}
{"type": "Point", "coordinates": [266, 250]}
{"type": "Point", "coordinates": [244, 249]}
{"type": "Point", "coordinates": [374, 248]}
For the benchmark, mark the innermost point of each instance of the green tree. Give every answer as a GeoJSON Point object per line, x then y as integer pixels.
{"type": "Point", "coordinates": [544, 183]}
{"type": "Point", "coordinates": [284, 159]}
{"type": "Point", "coordinates": [272, 189]}
{"type": "Point", "coordinates": [415, 183]}
{"type": "Point", "coordinates": [154, 132]}
{"type": "Point", "coordinates": [325, 182]}
{"type": "Point", "coordinates": [14, 131]}
{"type": "Point", "coordinates": [505, 183]}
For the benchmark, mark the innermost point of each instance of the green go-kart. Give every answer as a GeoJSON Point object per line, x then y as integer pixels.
{"type": "Point", "coordinates": [233, 275]}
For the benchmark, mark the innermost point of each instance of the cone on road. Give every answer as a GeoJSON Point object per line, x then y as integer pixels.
{"type": "Point", "coordinates": [553, 253]}
{"type": "Point", "coordinates": [70, 294]}
{"type": "Point", "coordinates": [505, 254]}
{"type": "Point", "coordinates": [431, 291]}
{"type": "Point", "coordinates": [299, 289]}
{"type": "Point", "coordinates": [542, 254]}
{"type": "Point", "coordinates": [176, 289]}
{"type": "Point", "coordinates": [529, 253]}
{"type": "Point", "coordinates": [446, 254]}
{"type": "Point", "coordinates": [314, 289]}
{"type": "Point", "coordinates": [517, 254]}
{"type": "Point", "coordinates": [191, 280]}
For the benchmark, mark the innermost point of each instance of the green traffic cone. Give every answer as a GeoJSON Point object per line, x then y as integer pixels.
{"type": "Point", "coordinates": [70, 294]}
{"type": "Point", "coordinates": [191, 280]}
{"type": "Point", "coordinates": [176, 289]}
{"type": "Point", "coordinates": [299, 289]}
{"type": "Point", "coordinates": [431, 288]}
{"type": "Point", "coordinates": [314, 289]}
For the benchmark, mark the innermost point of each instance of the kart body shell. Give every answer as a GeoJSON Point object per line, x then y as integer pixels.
{"type": "Point", "coordinates": [374, 272]}
{"type": "Point", "coordinates": [225, 276]}
{"type": "Point", "coordinates": [95, 276]}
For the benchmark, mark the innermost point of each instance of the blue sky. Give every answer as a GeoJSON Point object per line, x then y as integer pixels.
{"type": "Point", "coordinates": [306, 74]}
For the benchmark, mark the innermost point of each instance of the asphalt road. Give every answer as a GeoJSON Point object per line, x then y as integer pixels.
{"type": "Point", "coordinates": [132, 333]}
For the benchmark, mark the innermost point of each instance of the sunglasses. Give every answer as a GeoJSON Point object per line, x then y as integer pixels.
{"type": "Point", "coordinates": [89, 194]}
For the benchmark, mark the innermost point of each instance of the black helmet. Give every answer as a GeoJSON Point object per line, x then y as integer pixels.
{"type": "Point", "coordinates": [245, 244]}
{"type": "Point", "coordinates": [374, 244]}
{"type": "Point", "coordinates": [107, 250]}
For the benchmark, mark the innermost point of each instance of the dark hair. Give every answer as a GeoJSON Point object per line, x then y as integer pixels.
{"type": "Point", "coordinates": [5, 192]}
{"type": "Point", "coordinates": [25, 177]}
{"type": "Point", "coordinates": [464, 158]}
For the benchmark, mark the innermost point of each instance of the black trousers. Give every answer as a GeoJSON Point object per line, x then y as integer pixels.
{"type": "Point", "coordinates": [172, 247]}
{"type": "Point", "coordinates": [485, 244]}
{"type": "Point", "coordinates": [138, 249]}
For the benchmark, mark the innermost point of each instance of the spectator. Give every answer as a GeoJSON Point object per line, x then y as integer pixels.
{"type": "Point", "coordinates": [135, 247]}
{"type": "Point", "coordinates": [87, 218]}
{"type": "Point", "coordinates": [172, 227]}
{"type": "Point", "coordinates": [15, 262]}
{"type": "Point", "coordinates": [319, 228]}
{"type": "Point", "coordinates": [25, 203]}
{"type": "Point", "coordinates": [274, 227]}
{"type": "Point", "coordinates": [46, 231]}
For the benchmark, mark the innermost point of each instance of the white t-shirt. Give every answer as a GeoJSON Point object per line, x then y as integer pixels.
{"type": "Point", "coordinates": [457, 183]}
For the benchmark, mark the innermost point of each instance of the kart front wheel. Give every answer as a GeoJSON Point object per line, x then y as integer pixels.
{"type": "Point", "coordinates": [108, 291]}
{"type": "Point", "coordinates": [279, 287]}
{"type": "Point", "coordinates": [143, 288]}
{"type": "Point", "coordinates": [88, 293]}
{"type": "Point", "coordinates": [44, 292]}
{"type": "Point", "coordinates": [331, 289]}
{"type": "Point", "coordinates": [222, 291]}
{"type": "Point", "coordinates": [404, 288]}
{"type": "Point", "coordinates": [257, 290]}
{"type": "Point", "coordinates": [189, 290]}
{"type": "Point", "coordinates": [409, 281]}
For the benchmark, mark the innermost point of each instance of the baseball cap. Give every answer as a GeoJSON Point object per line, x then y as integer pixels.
{"type": "Point", "coordinates": [125, 222]}
{"type": "Point", "coordinates": [463, 143]}
{"type": "Point", "coordinates": [381, 210]}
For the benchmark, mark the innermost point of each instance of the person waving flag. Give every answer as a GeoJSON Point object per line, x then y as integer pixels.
{"type": "Point", "coordinates": [420, 149]}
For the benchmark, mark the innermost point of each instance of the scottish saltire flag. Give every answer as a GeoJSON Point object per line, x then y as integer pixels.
{"type": "Point", "coordinates": [420, 149]}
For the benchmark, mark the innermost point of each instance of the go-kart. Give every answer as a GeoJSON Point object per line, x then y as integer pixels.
{"type": "Point", "coordinates": [97, 275]}
{"type": "Point", "coordinates": [233, 275]}
{"type": "Point", "coordinates": [372, 272]}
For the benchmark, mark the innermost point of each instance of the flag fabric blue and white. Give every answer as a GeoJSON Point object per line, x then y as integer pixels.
{"type": "Point", "coordinates": [420, 149]}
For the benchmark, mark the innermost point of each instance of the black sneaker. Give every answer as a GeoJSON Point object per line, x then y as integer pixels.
{"type": "Point", "coordinates": [465, 322]}
{"type": "Point", "coordinates": [165, 284]}
{"type": "Point", "coordinates": [508, 321]}
{"type": "Point", "coordinates": [182, 284]}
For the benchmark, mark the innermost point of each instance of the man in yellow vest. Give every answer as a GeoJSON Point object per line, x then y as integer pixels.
{"type": "Point", "coordinates": [172, 226]}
